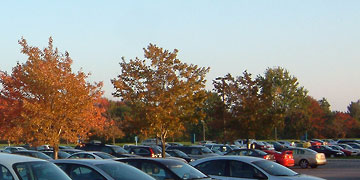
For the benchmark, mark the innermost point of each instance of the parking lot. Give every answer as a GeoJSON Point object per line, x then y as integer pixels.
{"type": "Point", "coordinates": [335, 169]}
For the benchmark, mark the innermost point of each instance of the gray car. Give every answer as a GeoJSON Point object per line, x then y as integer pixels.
{"type": "Point", "coordinates": [15, 167]}
{"type": "Point", "coordinates": [305, 157]}
{"type": "Point", "coordinates": [246, 168]}
{"type": "Point", "coordinates": [92, 169]}
{"type": "Point", "coordinates": [195, 152]}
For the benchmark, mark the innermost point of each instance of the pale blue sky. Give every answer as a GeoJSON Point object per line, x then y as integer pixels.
{"type": "Point", "coordinates": [317, 41]}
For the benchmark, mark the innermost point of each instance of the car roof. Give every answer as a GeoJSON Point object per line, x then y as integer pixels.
{"type": "Point", "coordinates": [161, 160]}
{"type": "Point", "coordinates": [10, 159]}
{"type": "Point", "coordinates": [247, 159]}
{"type": "Point", "coordinates": [30, 151]}
{"type": "Point", "coordinates": [83, 161]}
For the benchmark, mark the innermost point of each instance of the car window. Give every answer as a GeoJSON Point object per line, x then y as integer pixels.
{"type": "Point", "coordinates": [5, 173]}
{"type": "Point", "coordinates": [243, 170]}
{"type": "Point", "coordinates": [121, 171]}
{"type": "Point", "coordinates": [155, 171]}
{"type": "Point", "coordinates": [172, 153]}
{"type": "Point", "coordinates": [81, 172]}
{"type": "Point", "coordinates": [106, 149]}
{"type": "Point", "coordinates": [74, 156]}
{"type": "Point", "coordinates": [215, 167]}
{"type": "Point", "coordinates": [140, 151]}
{"type": "Point", "coordinates": [274, 169]}
{"type": "Point", "coordinates": [184, 170]}
{"type": "Point", "coordinates": [104, 155]}
{"type": "Point", "coordinates": [88, 156]}
{"type": "Point", "coordinates": [195, 151]}
{"type": "Point", "coordinates": [39, 171]}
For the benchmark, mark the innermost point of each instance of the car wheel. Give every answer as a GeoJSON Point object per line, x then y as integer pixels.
{"type": "Point", "coordinates": [313, 166]}
{"type": "Point", "coordinates": [304, 163]}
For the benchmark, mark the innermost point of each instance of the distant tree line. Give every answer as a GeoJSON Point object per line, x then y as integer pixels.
{"type": "Point", "coordinates": [42, 101]}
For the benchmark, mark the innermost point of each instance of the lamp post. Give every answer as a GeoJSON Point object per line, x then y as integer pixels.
{"type": "Point", "coordinates": [203, 126]}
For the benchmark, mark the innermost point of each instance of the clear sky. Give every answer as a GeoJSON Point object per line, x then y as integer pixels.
{"type": "Point", "coordinates": [316, 41]}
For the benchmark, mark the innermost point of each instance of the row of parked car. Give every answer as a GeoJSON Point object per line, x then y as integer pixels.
{"type": "Point", "coordinates": [182, 162]}
{"type": "Point", "coordinates": [219, 167]}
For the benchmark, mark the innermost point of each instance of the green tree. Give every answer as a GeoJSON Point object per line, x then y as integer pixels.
{"type": "Point", "coordinates": [162, 91]}
{"type": "Point", "coordinates": [285, 93]}
{"type": "Point", "coordinates": [354, 110]}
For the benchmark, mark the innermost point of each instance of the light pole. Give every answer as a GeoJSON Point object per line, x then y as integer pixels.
{"type": "Point", "coordinates": [203, 126]}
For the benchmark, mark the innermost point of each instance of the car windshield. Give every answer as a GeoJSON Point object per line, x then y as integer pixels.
{"type": "Point", "coordinates": [39, 170]}
{"type": "Point", "coordinates": [274, 169]}
{"type": "Point", "coordinates": [104, 155]}
{"type": "Point", "coordinates": [38, 155]}
{"type": "Point", "coordinates": [184, 170]}
{"type": "Point", "coordinates": [120, 150]}
{"type": "Point", "coordinates": [206, 150]}
{"type": "Point", "coordinates": [182, 154]}
{"type": "Point", "coordinates": [261, 153]}
{"type": "Point", "coordinates": [121, 171]}
{"type": "Point", "coordinates": [334, 147]}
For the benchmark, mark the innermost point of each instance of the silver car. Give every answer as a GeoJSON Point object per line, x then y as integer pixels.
{"type": "Point", "coordinates": [246, 168]}
{"type": "Point", "coordinates": [305, 157]}
{"type": "Point", "coordinates": [93, 169]}
{"type": "Point", "coordinates": [91, 155]}
{"type": "Point", "coordinates": [16, 167]}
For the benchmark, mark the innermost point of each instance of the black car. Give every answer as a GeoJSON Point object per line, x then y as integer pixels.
{"type": "Point", "coordinates": [346, 141]}
{"type": "Point", "coordinates": [278, 146]}
{"type": "Point", "coordinates": [145, 151]}
{"type": "Point", "coordinates": [61, 154]}
{"type": "Point", "coordinates": [71, 151]}
{"type": "Point", "coordinates": [327, 151]}
{"type": "Point", "coordinates": [161, 168]}
{"type": "Point", "coordinates": [354, 145]}
{"type": "Point", "coordinates": [195, 152]}
{"type": "Point", "coordinates": [114, 150]}
{"type": "Point", "coordinates": [180, 154]}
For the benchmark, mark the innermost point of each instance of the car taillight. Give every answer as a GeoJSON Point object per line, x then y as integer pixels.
{"type": "Point", "coordinates": [152, 153]}
{"type": "Point", "coordinates": [267, 157]}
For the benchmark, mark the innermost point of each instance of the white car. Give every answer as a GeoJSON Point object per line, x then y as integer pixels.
{"type": "Point", "coordinates": [246, 168]}
{"type": "Point", "coordinates": [16, 167]}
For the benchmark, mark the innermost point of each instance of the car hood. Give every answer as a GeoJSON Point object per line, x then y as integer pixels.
{"type": "Point", "coordinates": [298, 177]}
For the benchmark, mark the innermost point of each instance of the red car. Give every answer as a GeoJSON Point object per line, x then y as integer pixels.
{"type": "Point", "coordinates": [284, 158]}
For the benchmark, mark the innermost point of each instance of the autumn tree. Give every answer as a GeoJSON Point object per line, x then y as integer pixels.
{"type": "Point", "coordinates": [222, 116]}
{"type": "Point", "coordinates": [162, 91]}
{"type": "Point", "coordinates": [46, 101]}
{"type": "Point", "coordinates": [248, 107]}
{"type": "Point", "coordinates": [341, 125]}
{"type": "Point", "coordinates": [113, 125]}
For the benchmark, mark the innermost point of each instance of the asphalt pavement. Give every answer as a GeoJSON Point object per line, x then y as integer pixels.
{"type": "Point", "coordinates": [335, 169]}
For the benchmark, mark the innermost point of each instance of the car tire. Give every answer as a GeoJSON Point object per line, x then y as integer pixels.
{"type": "Point", "coordinates": [304, 163]}
{"type": "Point", "coordinates": [313, 166]}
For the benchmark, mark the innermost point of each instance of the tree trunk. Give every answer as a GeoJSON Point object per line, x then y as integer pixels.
{"type": "Point", "coordinates": [113, 140]}
{"type": "Point", "coordinates": [56, 151]}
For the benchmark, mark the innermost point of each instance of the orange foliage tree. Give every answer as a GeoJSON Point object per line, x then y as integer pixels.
{"type": "Point", "coordinates": [113, 125]}
{"type": "Point", "coordinates": [163, 93]}
{"type": "Point", "coordinates": [46, 101]}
